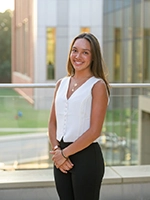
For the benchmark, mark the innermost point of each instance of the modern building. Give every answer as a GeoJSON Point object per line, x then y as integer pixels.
{"type": "Point", "coordinates": [42, 33]}
{"type": "Point", "coordinates": [126, 40]}
{"type": "Point", "coordinates": [126, 47]}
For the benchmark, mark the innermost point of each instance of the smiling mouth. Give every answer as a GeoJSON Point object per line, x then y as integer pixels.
{"type": "Point", "coordinates": [78, 63]}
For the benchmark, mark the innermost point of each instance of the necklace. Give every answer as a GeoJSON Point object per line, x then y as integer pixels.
{"type": "Point", "coordinates": [75, 85]}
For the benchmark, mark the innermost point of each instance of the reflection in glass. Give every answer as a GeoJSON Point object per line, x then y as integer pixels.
{"type": "Point", "coordinates": [50, 54]}
{"type": "Point", "coordinates": [117, 54]}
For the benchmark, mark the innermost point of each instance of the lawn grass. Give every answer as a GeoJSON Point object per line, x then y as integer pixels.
{"type": "Point", "coordinates": [122, 122]}
{"type": "Point", "coordinates": [16, 112]}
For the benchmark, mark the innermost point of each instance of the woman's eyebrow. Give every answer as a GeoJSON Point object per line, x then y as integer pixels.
{"type": "Point", "coordinates": [82, 49]}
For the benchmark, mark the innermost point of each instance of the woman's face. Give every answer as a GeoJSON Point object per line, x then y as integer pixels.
{"type": "Point", "coordinates": [81, 56]}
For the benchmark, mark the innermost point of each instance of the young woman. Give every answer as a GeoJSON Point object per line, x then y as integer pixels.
{"type": "Point", "coordinates": [76, 120]}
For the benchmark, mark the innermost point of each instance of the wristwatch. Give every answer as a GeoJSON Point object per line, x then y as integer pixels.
{"type": "Point", "coordinates": [56, 147]}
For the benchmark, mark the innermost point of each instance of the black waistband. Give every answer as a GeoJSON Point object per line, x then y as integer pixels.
{"type": "Point", "coordinates": [64, 144]}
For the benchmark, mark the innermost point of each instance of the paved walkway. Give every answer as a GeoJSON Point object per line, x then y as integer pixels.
{"type": "Point", "coordinates": [28, 133]}
{"type": "Point", "coordinates": [20, 147]}
{"type": "Point", "coordinates": [22, 129]}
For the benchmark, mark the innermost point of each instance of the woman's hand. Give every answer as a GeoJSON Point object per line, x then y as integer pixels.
{"type": "Point", "coordinates": [60, 161]}
{"type": "Point", "coordinates": [66, 166]}
{"type": "Point", "coordinates": [57, 158]}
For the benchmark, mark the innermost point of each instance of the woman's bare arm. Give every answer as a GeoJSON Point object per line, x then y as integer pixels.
{"type": "Point", "coordinates": [52, 121]}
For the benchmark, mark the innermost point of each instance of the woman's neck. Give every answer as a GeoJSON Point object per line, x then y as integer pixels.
{"type": "Point", "coordinates": [82, 75]}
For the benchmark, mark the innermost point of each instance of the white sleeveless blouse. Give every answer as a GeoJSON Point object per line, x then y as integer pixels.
{"type": "Point", "coordinates": [73, 114]}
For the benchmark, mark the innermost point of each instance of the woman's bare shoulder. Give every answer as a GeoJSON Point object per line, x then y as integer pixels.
{"type": "Point", "coordinates": [59, 82]}
{"type": "Point", "coordinates": [100, 85]}
{"type": "Point", "coordinates": [100, 90]}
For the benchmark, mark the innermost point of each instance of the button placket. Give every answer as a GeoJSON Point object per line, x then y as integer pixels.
{"type": "Point", "coordinates": [65, 117]}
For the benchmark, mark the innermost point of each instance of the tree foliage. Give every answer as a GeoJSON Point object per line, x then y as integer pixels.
{"type": "Point", "coordinates": [5, 46]}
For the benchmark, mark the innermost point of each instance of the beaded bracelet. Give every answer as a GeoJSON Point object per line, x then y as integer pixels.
{"type": "Point", "coordinates": [63, 154]}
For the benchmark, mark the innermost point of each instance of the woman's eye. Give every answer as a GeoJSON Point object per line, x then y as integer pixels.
{"type": "Point", "coordinates": [74, 50]}
{"type": "Point", "coordinates": [85, 52]}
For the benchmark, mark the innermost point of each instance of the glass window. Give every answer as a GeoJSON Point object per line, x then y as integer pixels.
{"type": "Point", "coordinates": [146, 57]}
{"type": "Point", "coordinates": [108, 51]}
{"type": "Point", "coordinates": [127, 61]}
{"type": "Point", "coordinates": [146, 15]}
{"type": "Point", "coordinates": [137, 19]}
{"type": "Point", "coordinates": [110, 5]}
{"type": "Point", "coordinates": [137, 61]}
{"type": "Point", "coordinates": [50, 54]}
{"type": "Point", "coordinates": [108, 23]}
{"type": "Point", "coordinates": [110, 27]}
{"type": "Point", "coordinates": [117, 54]}
{"type": "Point", "coordinates": [127, 3]}
{"type": "Point", "coordinates": [105, 8]}
{"type": "Point", "coordinates": [146, 44]}
{"type": "Point", "coordinates": [118, 4]}
{"type": "Point", "coordinates": [127, 22]}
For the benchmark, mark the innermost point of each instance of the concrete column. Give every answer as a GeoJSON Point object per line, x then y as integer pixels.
{"type": "Point", "coordinates": [62, 38]}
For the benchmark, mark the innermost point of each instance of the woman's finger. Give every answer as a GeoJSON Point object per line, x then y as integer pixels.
{"type": "Point", "coordinates": [63, 170]}
{"type": "Point", "coordinates": [52, 152]}
{"type": "Point", "coordinates": [69, 162]}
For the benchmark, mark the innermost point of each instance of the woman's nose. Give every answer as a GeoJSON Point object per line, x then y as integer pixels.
{"type": "Point", "coordinates": [78, 55]}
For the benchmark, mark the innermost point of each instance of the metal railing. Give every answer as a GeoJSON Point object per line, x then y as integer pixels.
{"type": "Point", "coordinates": [52, 85]}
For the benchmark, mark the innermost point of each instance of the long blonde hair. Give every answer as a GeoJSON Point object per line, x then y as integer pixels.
{"type": "Point", "coordinates": [97, 65]}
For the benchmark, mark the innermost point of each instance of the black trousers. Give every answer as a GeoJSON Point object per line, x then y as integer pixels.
{"type": "Point", "coordinates": [83, 181]}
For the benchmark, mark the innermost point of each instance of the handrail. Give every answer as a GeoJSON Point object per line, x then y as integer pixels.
{"type": "Point", "coordinates": [27, 85]}
{"type": "Point", "coordinates": [52, 85]}
{"type": "Point", "coordinates": [130, 85]}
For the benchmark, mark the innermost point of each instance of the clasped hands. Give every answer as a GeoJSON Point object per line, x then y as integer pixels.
{"type": "Point", "coordinates": [60, 161]}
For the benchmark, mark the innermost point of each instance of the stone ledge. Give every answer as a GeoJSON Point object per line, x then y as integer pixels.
{"type": "Point", "coordinates": [26, 179]}
{"type": "Point", "coordinates": [134, 174]}
{"type": "Point", "coordinates": [111, 177]}
{"type": "Point", "coordinates": [44, 178]}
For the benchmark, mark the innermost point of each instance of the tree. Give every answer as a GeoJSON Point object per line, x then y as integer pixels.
{"type": "Point", "coordinates": [5, 46]}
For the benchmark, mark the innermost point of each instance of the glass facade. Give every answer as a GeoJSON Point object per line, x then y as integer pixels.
{"type": "Point", "coordinates": [126, 49]}
{"type": "Point", "coordinates": [50, 53]}
{"type": "Point", "coordinates": [126, 38]}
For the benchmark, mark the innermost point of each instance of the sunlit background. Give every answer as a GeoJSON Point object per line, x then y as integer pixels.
{"type": "Point", "coordinates": [34, 39]}
{"type": "Point", "coordinates": [6, 4]}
